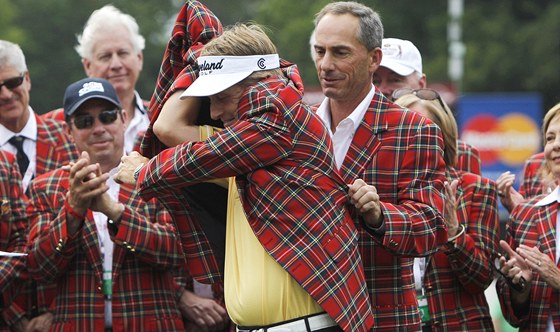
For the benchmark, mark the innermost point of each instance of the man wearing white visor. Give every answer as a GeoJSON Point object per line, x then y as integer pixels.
{"type": "Point", "coordinates": [291, 262]}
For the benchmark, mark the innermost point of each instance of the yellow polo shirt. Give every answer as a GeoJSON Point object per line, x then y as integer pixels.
{"type": "Point", "coordinates": [258, 291]}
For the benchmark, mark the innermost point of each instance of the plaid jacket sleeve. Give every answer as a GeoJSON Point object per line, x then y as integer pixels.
{"type": "Point", "coordinates": [13, 228]}
{"type": "Point", "coordinates": [478, 213]}
{"type": "Point", "coordinates": [401, 155]}
{"type": "Point", "coordinates": [468, 158]}
{"type": "Point", "coordinates": [532, 180]}
{"type": "Point", "coordinates": [195, 25]}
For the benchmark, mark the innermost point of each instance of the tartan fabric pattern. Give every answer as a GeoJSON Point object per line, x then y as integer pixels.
{"type": "Point", "coordinates": [456, 278]}
{"type": "Point", "coordinates": [534, 226]}
{"type": "Point", "coordinates": [401, 154]}
{"type": "Point", "coordinates": [281, 155]}
{"type": "Point", "coordinates": [13, 231]}
{"type": "Point", "coordinates": [54, 148]}
{"type": "Point", "coordinates": [532, 185]}
{"type": "Point", "coordinates": [468, 158]}
{"type": "Point", "coordinates": [146, 253]}
{"type": "Point", "coordinates": [195, 25]}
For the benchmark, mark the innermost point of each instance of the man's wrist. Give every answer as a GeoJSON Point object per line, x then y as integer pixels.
{"type": "Point", "coordinates": [137, 171]}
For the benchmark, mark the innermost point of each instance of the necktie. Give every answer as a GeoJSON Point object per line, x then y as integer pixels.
{"type": "Point", "coordinates": [22, 160]}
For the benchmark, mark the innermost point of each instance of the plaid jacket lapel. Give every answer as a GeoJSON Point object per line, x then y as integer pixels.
{"type": "Point", "coordinates": [365, 142]}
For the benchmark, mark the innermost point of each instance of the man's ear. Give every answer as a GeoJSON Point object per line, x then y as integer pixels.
{"type": "Point", "coordinates": [374, 57]}
{"type": "Point", "coordinates": [68, 130]}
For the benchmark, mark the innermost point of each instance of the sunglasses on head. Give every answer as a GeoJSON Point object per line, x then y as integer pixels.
{"type": "Point", "coordinates": [12, 83]}
{"type": "Point", "coordinates": [84, 121]}
{"type": "Point", "coordinates": [424, 94]}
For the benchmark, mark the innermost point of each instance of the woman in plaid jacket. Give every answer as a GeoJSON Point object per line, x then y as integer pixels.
{"type": "Point", "coordinates": [532, 250]}
{"type": "Point", "coordinates": [451, 283]}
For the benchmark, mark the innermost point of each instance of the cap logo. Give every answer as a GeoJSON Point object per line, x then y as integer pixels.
{"type": "Point", "coordinates": [206, 68]}
{"type": "Point", "coordinates": [394, 51]}
{"type": "Point", "coordinates": [91, 87]}
{"type": "Point", "coordinates": [261, 63]}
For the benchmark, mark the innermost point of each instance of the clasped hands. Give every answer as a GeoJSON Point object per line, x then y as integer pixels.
{"type": "Point", "coordinates": [88, 190]}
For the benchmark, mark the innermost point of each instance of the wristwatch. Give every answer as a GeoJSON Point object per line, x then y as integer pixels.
{"type": "Point", "coordinates": [137, 171]}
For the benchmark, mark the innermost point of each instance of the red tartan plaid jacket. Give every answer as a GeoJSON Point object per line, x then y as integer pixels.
{"type": "Point", "coordinates": [468, 158]}
{"type": "Point", "coordinates": [400, 153]}
{"type": "Point", "coordinates": [281, 155]}
{"type": "Point", "coordinates": [54, 149]}
{"type": "Point", "coordinates": [13, 230]}
{"type": "Point", "coordinates": [457, 276]}
{"type": "Point", "coordinates": [532, 179]}
{"type": "Point", "coordinates": [534, 226]}
{"type": "Point", "coordinates": [146, 253]}
{"type": "Point", "coordinates": [195, 25]}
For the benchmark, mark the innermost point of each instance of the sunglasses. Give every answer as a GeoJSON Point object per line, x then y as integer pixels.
{"type": "Point", "coordinates": [85, 121]}
{"type": "Point", "coordinates": [13, 83]}
{"type": "Point", "coordinates": [424, 94]}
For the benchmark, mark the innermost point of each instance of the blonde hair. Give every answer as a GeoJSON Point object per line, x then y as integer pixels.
{"type": "Point", "coordinates": [243, 39]}
{"type": "Point", "coordinates": [443, 118]}
{"type": "Point", "coordinates": [545, 172]}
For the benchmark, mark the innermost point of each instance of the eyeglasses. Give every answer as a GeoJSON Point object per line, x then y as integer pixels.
{"type": "Point", "coordinates": [424, 94]}
{"type": "Point", "coordinates": [12, 83]}
{"type": "Point", "coordinates": [85, 121]}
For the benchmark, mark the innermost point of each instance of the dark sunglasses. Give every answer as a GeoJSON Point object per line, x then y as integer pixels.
{"type": "Point", "coordinates": [85, 121]}
{"type": "Point", "coordinates": [424, 94]}
{"type": "Point", "coordinates": [12, 83]}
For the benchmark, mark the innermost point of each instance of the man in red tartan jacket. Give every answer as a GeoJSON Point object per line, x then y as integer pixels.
{"type": "Point", "coordinates": [112, 255]}
{"type": "Point", "coordinates": [13, 228]}
{"type": "Point", "coordinates": [45, 147]}
{"type": "Point", "coordinates": [391, 156]}
{"type": "Point", "coordinates": [292, 200]}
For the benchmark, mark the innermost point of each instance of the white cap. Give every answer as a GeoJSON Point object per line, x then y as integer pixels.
{"type": "Point", "coordinates": [401, 56]}
{"type": "Point", "coordinates": [217, 73]}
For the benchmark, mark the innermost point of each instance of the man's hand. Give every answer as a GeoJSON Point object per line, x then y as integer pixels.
{"type": "Point", "coordinates": [20, 325]}
{"type": "Point", "coordinates": [366, 200]}
{"type": "Point", "coordinates": [128, 166]}
{"type": "Point", "coordinates": [206, 314]}
{"type": "Point", "coordinates": [41, 323]}
{"type": "Point", "coordinates": [85, 184]}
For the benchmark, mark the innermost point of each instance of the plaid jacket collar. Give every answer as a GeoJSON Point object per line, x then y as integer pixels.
{"type": "Point", "coordinates": [365, 142]}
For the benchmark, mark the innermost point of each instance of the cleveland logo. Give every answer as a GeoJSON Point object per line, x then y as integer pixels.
{"type": "Point", "coordinates": [207, 68]}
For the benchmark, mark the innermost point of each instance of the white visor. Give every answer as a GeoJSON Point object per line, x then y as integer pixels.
{"type": "Point", "coordinates": [217, 73]}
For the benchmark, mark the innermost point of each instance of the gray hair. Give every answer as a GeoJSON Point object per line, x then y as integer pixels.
{"type": "Point", "coordinates": [107, 16]}
{"type": "Point", "coordinates": [370, 33]}
{"type": "Point", "coordinates": [11, 55]}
